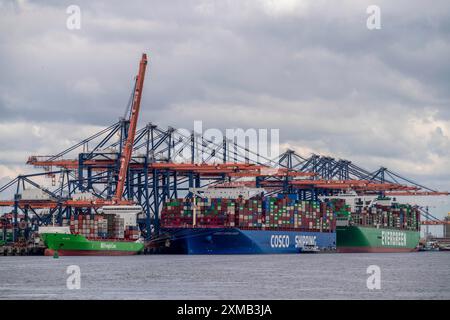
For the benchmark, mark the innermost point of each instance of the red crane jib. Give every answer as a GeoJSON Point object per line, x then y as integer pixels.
{"type": "Point", "coordinates": [128, 147]}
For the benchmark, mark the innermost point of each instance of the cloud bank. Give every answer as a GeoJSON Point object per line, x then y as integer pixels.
{"type": "Point", "coordinates": [310, 68]}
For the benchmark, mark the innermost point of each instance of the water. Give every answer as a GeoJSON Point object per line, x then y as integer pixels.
{"type": "Point", "coordinates": [320, 276]}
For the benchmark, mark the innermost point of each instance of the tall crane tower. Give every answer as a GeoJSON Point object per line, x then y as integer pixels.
{"type": "Point", "coordinates": [127, 150]}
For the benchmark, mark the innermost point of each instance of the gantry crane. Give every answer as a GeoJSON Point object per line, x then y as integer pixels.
{"type": "Point", "coordinates": [147, 166]}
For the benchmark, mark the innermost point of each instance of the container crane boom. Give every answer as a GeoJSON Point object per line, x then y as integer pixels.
{"type": "Point", "coordinates": [128, 147]}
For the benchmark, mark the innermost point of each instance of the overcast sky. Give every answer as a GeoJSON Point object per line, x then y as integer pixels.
{"type": "Point", "coordinates": [310, 68]}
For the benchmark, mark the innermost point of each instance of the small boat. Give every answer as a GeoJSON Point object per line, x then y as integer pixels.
{"type": "Point", "coordinates": [429, 246]}
{"type": "Point", "coordinates": [309, 248]}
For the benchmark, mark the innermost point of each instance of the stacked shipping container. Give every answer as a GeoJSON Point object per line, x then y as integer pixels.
{"type": "Point", "coordinates": [267, 213]}
{"type": "Point", "coordinates": [102, 227]}
{"type": "Point", "coordinates": [6, 232]}
{"type": "Point", "coordinates": [395, 216]}
{"type": "Point", "coordinates": [7, 226]}
{"type": "Point", "coordinates": [283, 213]}
{"type": "Point", "coordinates": [208, 212]}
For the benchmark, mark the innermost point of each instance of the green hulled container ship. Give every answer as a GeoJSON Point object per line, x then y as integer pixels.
{"type": "Point", "coordinates": [78, 245]}
{"type": "Point", "coordinates": [375, 224]}
{"type": "Point", "coordinates": [372, 239]}
{"type": "Point", "coordinates": [114, 232]}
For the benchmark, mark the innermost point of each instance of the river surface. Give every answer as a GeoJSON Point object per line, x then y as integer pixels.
{"type": "Point", "coordinates": [321, 276]}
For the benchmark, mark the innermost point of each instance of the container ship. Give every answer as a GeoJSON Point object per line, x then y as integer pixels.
{"type": "Point", "coordinates": [246, 225]}
{"type": "Point", "coordinates": [375, 224]}
{"type": "Point", "coordinates": [114, 232]}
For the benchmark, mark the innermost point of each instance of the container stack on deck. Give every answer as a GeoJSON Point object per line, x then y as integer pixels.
{"type": "Point", "coordinates": [395, 216]}
{"type": "Point", "coordinates": [293, 214]}
{"type": "Point", "coordinates": [250, 214]}
{"type": "Point", "coordinates": [84, 225]}
{"type": "Point", "coordinates": [102, 227]}
{"type": "Point", "coordinates": [265, 214]}
{"type": "Point", "coordinates": [118, 228]}
{"type": "Point", "coordinates": [209, 212]}
{"type": "Point", "coordinates": [284, 213]}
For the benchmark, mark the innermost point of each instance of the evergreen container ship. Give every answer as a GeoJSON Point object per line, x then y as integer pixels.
{"type": "Point", "coordinates": [376, 224]}
{"type": "Point", "coordinates": [249, 225]}
{"type": "Point", "coordinates": [353, 239]}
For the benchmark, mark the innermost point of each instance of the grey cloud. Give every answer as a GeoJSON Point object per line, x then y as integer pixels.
{"type": "Point", "coordinates": [317, 74]}
{"type": "Point", "coordinates": [439, 143]}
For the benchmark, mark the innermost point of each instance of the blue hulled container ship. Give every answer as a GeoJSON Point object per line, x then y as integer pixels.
{"type": "Point", "coordinates": [238, 241]}
{"type": "Point", "coordinates": [245, 222]}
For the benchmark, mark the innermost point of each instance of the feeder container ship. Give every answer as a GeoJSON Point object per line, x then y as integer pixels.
{"type": "Point", "coordinates": [112, 233]}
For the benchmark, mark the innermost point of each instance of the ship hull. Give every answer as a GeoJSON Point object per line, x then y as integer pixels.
{"type": "Point", "coordinates": [238, 241]}
{"type": "Point", "coordinates": [51, 252]}
{"type": "Point", "coordinates": [358, 239]}
{"type": "Point", "coordinates": [78, 245]}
